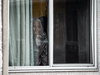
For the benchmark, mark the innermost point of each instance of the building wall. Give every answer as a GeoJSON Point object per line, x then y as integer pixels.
{"type": "Point", "coordinates": [47, 73]}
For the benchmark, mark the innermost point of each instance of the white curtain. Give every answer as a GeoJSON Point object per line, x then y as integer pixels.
{"type": "Point", "coordinates": [19, 39]}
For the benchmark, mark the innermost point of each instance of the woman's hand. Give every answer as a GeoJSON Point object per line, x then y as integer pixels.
{"type": "Point", "coordinates": [38, 36]}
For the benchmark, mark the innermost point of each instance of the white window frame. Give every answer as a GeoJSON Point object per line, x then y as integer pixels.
{"type": "Point", "coordinates": [51, 67]}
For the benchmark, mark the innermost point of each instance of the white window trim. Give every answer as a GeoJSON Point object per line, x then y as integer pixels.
{"type": "Point", "coordinates": [51, 67]}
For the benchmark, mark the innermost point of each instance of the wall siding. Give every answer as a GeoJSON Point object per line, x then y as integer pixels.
{"type": "Point", "coordinates": [47, 73]}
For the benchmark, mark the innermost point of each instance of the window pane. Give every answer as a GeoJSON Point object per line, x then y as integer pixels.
{"type": "Point", "coordinates": [72, 31]}
{"type": "Point", "coordinates": [28, 32]}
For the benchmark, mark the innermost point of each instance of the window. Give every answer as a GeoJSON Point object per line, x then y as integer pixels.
{"type": "Point", "coordinates": [72, 31]}
{"type": "Point", "coordinates": [52, 35]}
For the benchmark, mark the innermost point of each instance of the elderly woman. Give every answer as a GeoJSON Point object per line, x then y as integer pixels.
{"type": "Point", "coordinates": [40, 43]}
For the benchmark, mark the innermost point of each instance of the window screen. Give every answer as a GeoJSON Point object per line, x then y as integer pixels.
{"type": "Point", "coordinates": [72, 31]}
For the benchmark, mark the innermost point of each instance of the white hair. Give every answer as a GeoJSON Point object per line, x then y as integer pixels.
{"type": "Point", "coordinates": [34, 18]}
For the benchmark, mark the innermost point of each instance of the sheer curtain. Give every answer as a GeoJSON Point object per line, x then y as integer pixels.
{"type": "Point", "coordinates": [19, 36]}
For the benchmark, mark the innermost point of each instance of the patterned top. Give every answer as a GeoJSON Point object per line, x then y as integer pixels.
{"type": "Point", "coordinates": [41, 55]}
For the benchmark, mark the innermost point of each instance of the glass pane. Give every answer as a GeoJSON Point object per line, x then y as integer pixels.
{"type": "Point", "coordinates": [72, 31]}
{"type": "Point", "coordinates": [28, 33]}
{"type": "Point", "coordinates": [40, 32]}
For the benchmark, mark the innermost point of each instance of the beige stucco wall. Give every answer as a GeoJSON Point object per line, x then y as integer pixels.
{"type": "Point", "coordinates": [0, 38]}
{"type": "Point", "coordinates": [49, 73]}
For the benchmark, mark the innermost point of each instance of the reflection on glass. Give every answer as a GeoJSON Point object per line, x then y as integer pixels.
{"type": "Point", "coordinates": [71, 31]}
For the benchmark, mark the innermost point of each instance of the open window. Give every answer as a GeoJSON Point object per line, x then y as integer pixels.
{"type": "Point", "coordinates": [52, 35]}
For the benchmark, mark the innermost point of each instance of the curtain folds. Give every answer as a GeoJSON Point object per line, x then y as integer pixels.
{"type": "Point", "coordinates": [19, 28]}
{"type": "Point", "coordinates": [31, 21]}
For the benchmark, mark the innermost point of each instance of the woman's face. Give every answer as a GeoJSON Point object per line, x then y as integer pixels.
{"type": "Point", "coordinates": [36, 27]}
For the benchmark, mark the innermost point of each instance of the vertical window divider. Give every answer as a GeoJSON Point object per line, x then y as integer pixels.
{"type": "Point", "coordinates": [50, 33]}
{"type": "Point", "coordinates": [92, 30]}
{"type": "Point", "coordinates": [96, 33]}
